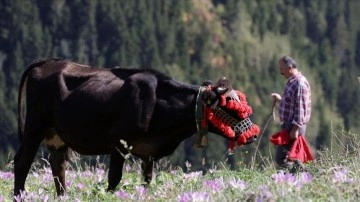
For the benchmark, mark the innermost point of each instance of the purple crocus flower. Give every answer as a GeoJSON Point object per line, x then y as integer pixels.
{"type": "Point", "coordinates": [20, 197]}
{"type": "Point", "coordinates": [193, 175]}
{"type": "Point", "coordinates": [80, 186]}
{"type": "Point", "coordinates": [25, 196]}
{"type": "Point", "coordinates": [68, 183]}
{"type": "Point", "coordinates": [127, 167]}
{"type": "Point", "coordinates": [341, 176]}
{"type": "Point", "coordinates": [99, 174]}
{"type": "Point", "coordinates": [214, 185]}
{"type": "Point", "coordinates": [237, 184]}
{"type": "Point", "coordinates": [47, 170]}
{"type": "Point", "coordinates": [194, 196]}
{"type": "Point", "coordinates": [47, 175]}
{"type": "Point", "coordinates": [264, 194]}
{"type": "Point", "coordinates": [6, 175]}
{"type": "Point", "coordinates": [282, 177]}
{"type": "Point", "coordinates": [141, 190]}
{"type": "Point", "coordinates": [45, 198]}
{"type": "Point", "coordinates": [306, 177]}
{"type": "Point", "coordinates": [122, 194]}
{"type": "Point", "coordinates": [87, 174]}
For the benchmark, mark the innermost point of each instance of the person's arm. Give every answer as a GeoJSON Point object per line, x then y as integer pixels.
{"type": "Point", "coordinates": [299, 111]}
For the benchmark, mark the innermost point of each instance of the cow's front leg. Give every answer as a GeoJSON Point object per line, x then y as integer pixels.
{"type": "Point", "coordinates": [115, 170]}
{"type": "Point", "coordinates": [147, 169]}
{"type": "Point", "coordinates": [58, 157]}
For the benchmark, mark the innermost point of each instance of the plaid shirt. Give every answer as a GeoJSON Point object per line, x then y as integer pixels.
{"type": "Point", "coordinates": [295, 105]}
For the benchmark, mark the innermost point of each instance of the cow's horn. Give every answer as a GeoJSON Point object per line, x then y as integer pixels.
{"type": "Point", "coordinates": [221, 90]}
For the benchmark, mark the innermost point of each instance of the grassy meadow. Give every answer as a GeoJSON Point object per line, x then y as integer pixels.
{"type": "Point", "coordinates": [333, 176]}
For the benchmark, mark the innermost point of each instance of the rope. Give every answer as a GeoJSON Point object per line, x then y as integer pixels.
{"type": "Point", "coordinates": [201, 132]}
{"type": "Point", "coordinates": [198, 112]}
{"type": "Point", "coordinates": [262, 133]}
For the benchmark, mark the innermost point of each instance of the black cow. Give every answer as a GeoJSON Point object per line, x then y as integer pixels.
{"type": "Point", "coordinates": [94, 111]}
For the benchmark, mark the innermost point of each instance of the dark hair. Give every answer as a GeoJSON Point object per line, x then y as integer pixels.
{"type": "Point", "coordinates": [289, 61]}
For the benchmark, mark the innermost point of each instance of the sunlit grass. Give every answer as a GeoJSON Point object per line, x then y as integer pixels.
{"type": "Point", "coordinates": [332, 177]}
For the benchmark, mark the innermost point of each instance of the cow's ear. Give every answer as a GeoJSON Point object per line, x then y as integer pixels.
{"type": "Point", "coordinates": [208, 83]}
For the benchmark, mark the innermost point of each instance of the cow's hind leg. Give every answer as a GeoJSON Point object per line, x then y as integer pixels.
{"type": "Point", "coordinates": [115, 170]}
{"type": "Point", "coordinates": [24, 158]}
{"type": "Point", "coordinates": [147, 169]}
{"type": "Point", "coordinates": [58, 158]}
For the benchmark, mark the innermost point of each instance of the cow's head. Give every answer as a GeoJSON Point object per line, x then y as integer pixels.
{"type": "Point", "coordinates": [225, 111]}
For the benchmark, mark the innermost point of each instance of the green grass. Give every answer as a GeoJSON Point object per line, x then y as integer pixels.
{"type": "Point", "coordinates": [333, 176]}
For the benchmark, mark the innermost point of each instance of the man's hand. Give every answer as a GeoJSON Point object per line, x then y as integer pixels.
{"type": "Point", "coordinates": [294, 133]}
{"type": "Point", "coordinates": [276, 97]}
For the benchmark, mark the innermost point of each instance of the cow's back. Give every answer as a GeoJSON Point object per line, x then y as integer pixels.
{"type": "Point", "coordinates": [71, 100]}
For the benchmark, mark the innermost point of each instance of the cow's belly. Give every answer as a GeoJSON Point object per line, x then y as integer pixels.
{"type": "Point", "coordinates": [92, 144]}
{"type": "Point", "coordinates": [85, 130]}
{"type": "Point", "coordinates": [154, 148]}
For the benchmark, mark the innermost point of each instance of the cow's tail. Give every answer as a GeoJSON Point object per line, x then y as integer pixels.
{"type": "Point", "coordinates": [20, 95]}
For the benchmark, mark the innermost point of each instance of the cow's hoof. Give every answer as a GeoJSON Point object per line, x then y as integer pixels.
{"type": "Point", "coordinates": [110, 189]}
{"type": "Point", "coordinates": [145, 184]}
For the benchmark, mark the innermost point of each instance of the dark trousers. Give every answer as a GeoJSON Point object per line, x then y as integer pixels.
{"type": "Point", "coordinates": [282, 151]}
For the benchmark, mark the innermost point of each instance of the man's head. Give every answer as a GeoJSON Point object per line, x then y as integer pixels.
{"type": "Point", "coordinates": [287, 66]}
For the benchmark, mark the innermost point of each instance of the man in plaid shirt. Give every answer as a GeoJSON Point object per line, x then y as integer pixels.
{"type": "Point", "coordinates": [295, 106]}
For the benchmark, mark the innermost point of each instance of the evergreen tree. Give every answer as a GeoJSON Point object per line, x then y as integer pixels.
{"type": "Point", "coordinates": [357, 49]}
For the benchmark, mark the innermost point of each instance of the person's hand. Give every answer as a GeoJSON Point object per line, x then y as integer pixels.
{"type": "Point", "coordinates": [294, 133]}
{"type": "Point", "coordinates": [276, 97]}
